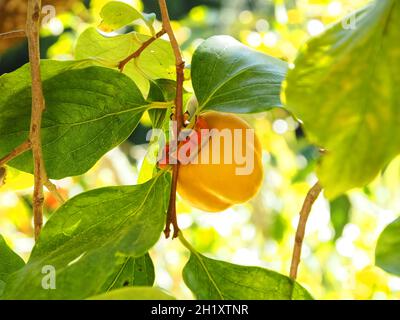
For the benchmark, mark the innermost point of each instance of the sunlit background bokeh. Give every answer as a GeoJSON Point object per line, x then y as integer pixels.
{"type": "Point", "coordinates": [261, 232]}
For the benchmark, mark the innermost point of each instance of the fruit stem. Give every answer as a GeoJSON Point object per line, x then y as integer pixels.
{"type": "Point", "coordinates": [180, 77]}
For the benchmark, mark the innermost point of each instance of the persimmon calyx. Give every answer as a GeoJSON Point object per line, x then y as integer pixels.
{"type": "Point", "coordinates": [190, 143]}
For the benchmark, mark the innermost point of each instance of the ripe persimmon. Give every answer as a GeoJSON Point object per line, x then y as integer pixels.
{"type": "Point", "coordinates": [212, 185]}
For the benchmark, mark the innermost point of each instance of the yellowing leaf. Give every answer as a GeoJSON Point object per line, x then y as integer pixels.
{"type": "Point", "coordinates": [344, 88]}
{"type": "Point", "coordinates": [116, 15]}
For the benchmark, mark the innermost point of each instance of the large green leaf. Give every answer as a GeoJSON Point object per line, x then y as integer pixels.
{"type": "Point", "coordinates": [89, 111]}
{"type": "Point", "coordinates": [344, 88]}
{"type": "Point", "coordinates": [230, 77]}
{"type": "Point", "coordinates": [156, 62]}
{"type": "Point", "coordinates": [135, 293]}
{"type": "Point", "coordinates": [387, 253]}
{"type": "Point", "coordinates": [211, 279]}
{"type": "Point", "coordinates": [90, 236]}
{"type": "Point", "coordinates": [132, 272]}
{"type": "Point", "coordinates": [9, 263]}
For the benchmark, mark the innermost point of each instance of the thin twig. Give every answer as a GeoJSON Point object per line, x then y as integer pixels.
{"type": "Point", "coordinates": [38, 106]}
{"type": "Point", "coordinates": [3, 174]}
{"type": "Point", "coordinates": [180, 66]}
{"type": "Point", "coordinates": [312, 195]}
{"type": "Point", "coordinates": [139, 51]}
{"type": "Point", "coordinates": [13, 34]}
{"type": "Point", "coordinates": [23, 147]}
{"type": "Point", "coordinates": [54, 190]}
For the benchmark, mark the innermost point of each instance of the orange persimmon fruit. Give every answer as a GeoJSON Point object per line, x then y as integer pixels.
{"type": "Point", "coordinates": [215, 186]}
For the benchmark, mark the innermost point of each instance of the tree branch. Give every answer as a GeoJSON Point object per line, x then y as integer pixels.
{"type": "Point", "coordinates": [13, 34]}
{"type": "Point", "coordinates": [180, 66]}
{"type": "Point", "coordinates": [25, 146]}
{"type": "Point", "coordinates": [312, 195]}
{"type": "Point", "coordinates": [139, 51]}
{"type": "Point", "coordinates": [38, 106]}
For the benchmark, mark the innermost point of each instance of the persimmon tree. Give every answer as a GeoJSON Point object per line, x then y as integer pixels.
{"type": "Point", "coordinates": [58, 118]}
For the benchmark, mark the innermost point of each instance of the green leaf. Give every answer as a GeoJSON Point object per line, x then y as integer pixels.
{"type": "Point", "coordinates": [89, 111]}
{"type": "Point", "coordinates": [9, 262]}
{"type": "Point", "coordinates": [344, 88]}
{"type": "Point", "coordinates": [134, 293]}
{"type": "Point", "coordinates": [149, 19]}
{"type": "Point", "coordinates": [161, 90]}
{"type": "Point", "coordinates": [340, 214]}
{"type": "Point", "coordinates": [87, 239]}
{"type": "Point", "coordinates": [387, 253]}
{"type": "Point", "coordinates": [230, 77]}
{"type": "Point", "coordinates": [156, 62]}
{"type": "Point", "coordinates": [211, 279]}
{"type": "Point", "coordinates": [132, 272]}
{"type": "Point", "coordinates": [116, 15]}
{"type": "Point", "coordinates": [148, 168]}
{"type": "Point", "coordinates": [164, 90]}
